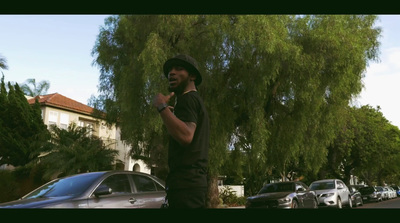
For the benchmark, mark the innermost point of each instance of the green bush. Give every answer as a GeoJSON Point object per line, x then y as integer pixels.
{"type": "Point", "coordinates": [8, 186]}
{"type": "Point", "coordinates": [229, 198]}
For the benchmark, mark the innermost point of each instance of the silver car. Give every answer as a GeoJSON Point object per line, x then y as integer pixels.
{"type": "Point", "coordinates": [332, 193]}
{"type": "Point", "coordinates": [107, 189]}
{"type": "Point", "coordinates": [283, 195]}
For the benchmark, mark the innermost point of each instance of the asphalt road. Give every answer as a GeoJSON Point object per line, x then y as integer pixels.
{"type": "Point", "coordinates": [387, 204]}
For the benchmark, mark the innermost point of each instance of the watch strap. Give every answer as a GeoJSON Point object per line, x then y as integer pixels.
{"type": "Point", "coordinates": [161, 107]}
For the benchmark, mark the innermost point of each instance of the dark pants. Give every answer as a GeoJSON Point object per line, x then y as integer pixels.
{"type": "Point", "coordinates": [187, 198]}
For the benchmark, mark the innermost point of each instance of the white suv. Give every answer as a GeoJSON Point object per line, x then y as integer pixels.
{"type": "Point", "coordinates": [332, 193]}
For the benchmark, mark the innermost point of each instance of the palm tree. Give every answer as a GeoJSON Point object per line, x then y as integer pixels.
{"type": "Point", "coordinates": [32, 89]}
{"type": "Point", "coordinates": [3, 64]}
{"type": "Point", "coordinates": [75, 150]}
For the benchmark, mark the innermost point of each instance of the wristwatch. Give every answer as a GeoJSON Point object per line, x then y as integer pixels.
{"type": "Point", "coordinates": [161, 107]}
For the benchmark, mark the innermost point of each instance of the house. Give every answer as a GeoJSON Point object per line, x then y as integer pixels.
{"type": "Point", "coordinates": [61, 111]}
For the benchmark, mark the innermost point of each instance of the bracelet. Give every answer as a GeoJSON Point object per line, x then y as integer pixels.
{"type": "Point", "coordinates": [161, 107]}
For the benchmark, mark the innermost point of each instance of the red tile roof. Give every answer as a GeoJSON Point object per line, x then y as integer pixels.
{"type": "Point", "coordinates": [60, 101]}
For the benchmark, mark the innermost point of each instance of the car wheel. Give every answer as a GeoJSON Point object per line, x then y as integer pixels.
{"type": "Point", "coordinates": [350, 204]}
{"type": "Point", "coordinates": [295, 205]}
{"type": "Point", "coordinates": [339, 203]}
{"type": "Point", "coordinates": [315, 204]}
{"type": "Point", "coordinates": [361, 202]}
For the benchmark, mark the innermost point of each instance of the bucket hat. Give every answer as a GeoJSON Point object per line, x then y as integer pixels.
{"type": "Point", "coordinates": [186, 61]}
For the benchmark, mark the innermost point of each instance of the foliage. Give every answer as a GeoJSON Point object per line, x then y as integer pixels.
{"type": "Point", "coordinates": [22, 130]}
{"type": "Point", "coordinates": [367, 146]}
{"type": "Point", "coordinates": [229, 197]}
{"type": "Point", "coordinates": [73, 151]}
{"type": "Point", "coordinates": [376, 144]}
{"type": "Point", "coordinates": [3, 63]}
{"type": "Point", "coordinates": [275, 86]}
{"type": "Point", "coordinates": [8, 186]}
{"type": "Point", "coordinates": [33, 89]}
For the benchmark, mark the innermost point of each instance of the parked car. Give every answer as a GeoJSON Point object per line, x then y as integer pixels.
{"type": "Point", "coordinates": [391, 191]}
{"type": "Point", "coordinates": [397, 189]}
{"type": "Point", "coordinates": [332, 193]}
{"type": "Point", "coordinates": [356, 197]}
{"type": "Point", "coordinates": [106, 189]}
{"type": "Point", "coordinates": [357, 186]}
{"type": "Point", "coordinates": [285, 195]}
{"type": "Point", "coordinates": [370, 194]}
{"type": "Point", "coordinates": [383, 191]}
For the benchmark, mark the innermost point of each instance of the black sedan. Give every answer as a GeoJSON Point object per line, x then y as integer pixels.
{"type": "Point", "coordinates": [285, 195]}
{"type": "Point", "coordinates": [107, 189]}
{"type": "Point", "coordinates": [370, 194]}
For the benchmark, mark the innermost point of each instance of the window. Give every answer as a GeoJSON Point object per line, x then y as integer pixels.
{"type": "Point", "coordinates": [301, 186]}
{"type": "Point", "coordinates": [53, 118]}
{"type": "Point", "coordinates": [88, 125]}
{"type": "Point", "coordinates": [144, 184]}
{"type": "Point", "coordinates": [64, 121]}
{"type": "Point", "coordinates": [118, 183]}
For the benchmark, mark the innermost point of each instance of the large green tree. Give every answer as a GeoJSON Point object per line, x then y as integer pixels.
{"type": "Point", "coordinates": [366, 146]}
{"type": "Point", "coordinates": [22, 130]}
{"type": "Point", "coordinates": [376, 145]}
{"type": "Point", "coordinates": [276, 85]}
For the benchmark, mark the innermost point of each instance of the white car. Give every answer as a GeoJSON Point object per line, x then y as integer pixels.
{"type": "Point", "coordinates": [384, 192]}
{"type": "Point", "coordinates": [332, 193]}
{"type": "Point", "coordinates": [392, 192]}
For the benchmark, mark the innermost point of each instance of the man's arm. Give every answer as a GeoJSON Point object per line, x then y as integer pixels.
{"type": "Point", "coordinates": [182, 132]}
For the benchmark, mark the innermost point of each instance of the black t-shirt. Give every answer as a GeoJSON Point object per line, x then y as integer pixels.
{"type": "Point", "coordinates": [188, 164]}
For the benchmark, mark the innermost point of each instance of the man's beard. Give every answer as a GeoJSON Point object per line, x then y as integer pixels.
{"type": "Point", "coordinates": [178, 90]}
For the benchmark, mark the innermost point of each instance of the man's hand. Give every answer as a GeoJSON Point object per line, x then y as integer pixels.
{"type": "Point", "coordinates": [161, 99]}
{"type": "Point", "coordinates": [182, 132]}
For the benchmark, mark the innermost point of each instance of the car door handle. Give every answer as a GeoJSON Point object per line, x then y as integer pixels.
{"type": "Point", "coordinates": [132, 200]}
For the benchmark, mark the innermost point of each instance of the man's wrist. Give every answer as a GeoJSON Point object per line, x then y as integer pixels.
{"type": "Point", "coordinates": [161, 107]}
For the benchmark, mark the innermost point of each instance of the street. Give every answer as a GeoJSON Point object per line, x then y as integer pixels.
{"type": "Point", "coordinates": [388, 204]}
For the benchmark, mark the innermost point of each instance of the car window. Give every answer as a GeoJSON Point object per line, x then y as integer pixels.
{"type": "Point", "coordinates": [366, 190]}
{"type": "Point", "coordinates": [144, 184]}
{"type": "Point", "coordinates": [322, 185]}
{"type": "Point", "coordinates": [300, 186]}
{"type": "Point", "coordinates": [119, 183]}
{"type": "Point", "coordinates": [277, 187]}
{"type": "Point", "coordinates": [64, 187]}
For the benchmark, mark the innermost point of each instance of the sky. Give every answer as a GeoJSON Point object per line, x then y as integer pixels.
{"type": "Point", "coordinates": [53, 48]}
{"type": "Point", "coordinates": [57, 49]}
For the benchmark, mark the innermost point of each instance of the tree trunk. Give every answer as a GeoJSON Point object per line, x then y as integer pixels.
{"type": "Point", "coordinates": [213, 193]}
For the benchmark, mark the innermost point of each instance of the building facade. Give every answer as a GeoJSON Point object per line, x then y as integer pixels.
{"type": "Point", "coordinates": [62, 111]}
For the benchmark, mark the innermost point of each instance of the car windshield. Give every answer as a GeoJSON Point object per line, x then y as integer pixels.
{"type": "Point", "coordinates": [277, 187]}
{"type": "Point", "coordinates": [69, 186]}
{"type": "Point", "coordinates": [379, 188]}
{"type": "Point", "coordinates": [322, 185]}
{"type": "Point", "coordinates": [366, 190]}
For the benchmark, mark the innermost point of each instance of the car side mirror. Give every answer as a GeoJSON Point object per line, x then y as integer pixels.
{"type": "Point", "coordinates": [300, 189]}
{"type": "Point", "coordinates": [102, 190]}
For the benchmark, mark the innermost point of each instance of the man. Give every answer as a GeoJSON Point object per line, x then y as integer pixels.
{"type": "Point", "coordinates": [188, 126]}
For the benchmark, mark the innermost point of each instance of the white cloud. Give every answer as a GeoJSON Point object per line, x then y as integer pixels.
{"type": "Point", "coordinates": [381, 85]}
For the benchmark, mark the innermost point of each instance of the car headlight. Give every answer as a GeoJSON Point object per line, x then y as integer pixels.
{"type": "Point", "coordinates": [285, 200]}
{"type": "Point", "coordinates": [328, 195]}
